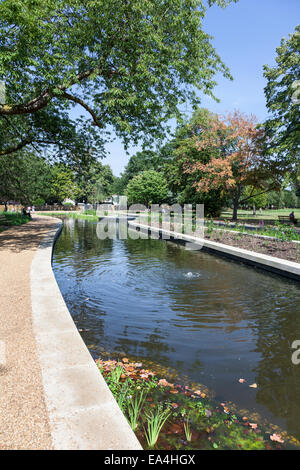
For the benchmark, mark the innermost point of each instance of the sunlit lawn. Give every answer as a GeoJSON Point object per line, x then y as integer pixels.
{"type": "Point", "coordinates": [265, 214]}
{"type": "Point", "coordinates": [12, 218]}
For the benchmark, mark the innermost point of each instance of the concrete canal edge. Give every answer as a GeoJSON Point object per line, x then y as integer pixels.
{"type": "Point", "coordinates": [83, 413]}
{"type": "Point", "coordinates": [270, 263]}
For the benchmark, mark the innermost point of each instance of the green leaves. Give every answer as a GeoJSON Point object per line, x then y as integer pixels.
{"type": "Point", "coordinates": [282, 94]}
{"type": "Point", "coordinates": [149, 187]}
{"type": "Point", "coordinates": [131, 63]}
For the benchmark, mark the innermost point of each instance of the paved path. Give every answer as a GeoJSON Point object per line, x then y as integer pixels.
{"type": "Point", "coordinates": [23, 415]}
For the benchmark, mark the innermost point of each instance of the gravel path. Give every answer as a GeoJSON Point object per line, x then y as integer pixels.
{"type": "Point", "coordinates": [23, 415]}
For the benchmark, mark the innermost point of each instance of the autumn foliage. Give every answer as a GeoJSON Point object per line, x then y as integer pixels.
{"type": "Point", "coordinates": [231, 155]}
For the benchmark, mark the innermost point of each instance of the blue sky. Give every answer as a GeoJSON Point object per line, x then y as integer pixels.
{"type": "Point", "coordinates": [246, 35]}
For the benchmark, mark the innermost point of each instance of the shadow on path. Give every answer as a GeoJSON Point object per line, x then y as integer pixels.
{"type": "Point", "coordinates": [25, 237]}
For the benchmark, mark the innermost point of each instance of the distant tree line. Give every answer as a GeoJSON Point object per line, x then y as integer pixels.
{"type": "Point", "coordinates": [30, 179]}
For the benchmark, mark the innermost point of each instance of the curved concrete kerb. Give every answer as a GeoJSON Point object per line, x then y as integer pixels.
{"type": "Point", "coordinates": [269, 263]}
{"type": "Point", "coordinates": [82, 411]}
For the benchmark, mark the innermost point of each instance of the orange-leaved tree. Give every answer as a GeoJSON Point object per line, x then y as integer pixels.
{"type": "Point", "coordinates": [235, 145]}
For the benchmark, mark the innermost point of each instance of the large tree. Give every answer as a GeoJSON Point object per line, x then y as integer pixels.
{"type": "Point", "coordinates": [128, 64]}
{"type": "Point", "coordinates": [25, 178]}
{"type": "Point", "coordinates": [62, 183]}
{"type": "Point", "coordinates": [148, 187]}
{"type": "Point", "coordinates": [232, 156]}
{"type": "Point", "coordinates": [283, 101]}
{"type": "Point", "coordinates": [141, 161]}
{"type": "Point", "coordinates": [95, 182]}
{"type": "Point", "coordinates": [182, 149]}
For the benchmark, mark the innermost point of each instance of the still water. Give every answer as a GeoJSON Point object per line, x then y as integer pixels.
{"type": "Point", "coordinates": [210, 320]}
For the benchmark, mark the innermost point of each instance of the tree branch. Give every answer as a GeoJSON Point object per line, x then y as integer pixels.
{"type": "Point", "coordinates": [17, 147]}
{"type": "Point", "coordinates": [43, 99]}
{"type": "Point", "coordinates": [84, 105]}
{"type": "Point", "coordinates": [23, 143]}
{"type": "Point", "coordinates": [258, 194]}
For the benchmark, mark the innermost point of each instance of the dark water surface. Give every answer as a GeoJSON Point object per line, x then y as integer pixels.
{"type": "Point", "coordinates": [212, 320]}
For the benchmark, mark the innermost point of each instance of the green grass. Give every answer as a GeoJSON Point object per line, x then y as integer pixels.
{"type": "Point", "coordinates": [90, 212]}
{"type": "Point", "coordinates": [13, 219]}
{"type": "Point", "coordinates": [73, 215]}
{"type": "Point", "coordinates": [266, 214]}
{"type": "Point", "coordinates": [279, 231]}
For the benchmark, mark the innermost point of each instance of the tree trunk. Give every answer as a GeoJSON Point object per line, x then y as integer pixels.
{"type": "Point", "coordinates": [235, 209]}
{"type": "Point", "coordinates": [5, 206]}
{"type": "Point", "coordinates": [236, 199]}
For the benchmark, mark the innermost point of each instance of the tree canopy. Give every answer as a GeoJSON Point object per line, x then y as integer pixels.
{"type": "Point", "coordinates": [149, 187]}
{"type": "Point", "coordinates": [95, 182]}
{"type": "Point", "coordinates": [128, 64]}
{"type": "Point", "coordinates": [228, 154]}
{"type": "Point", "coordinates": [24, 178]}
{"type": "Point", "coordinates": [141, 161]}
{"type": "Point", "coordinates": [283, 100]}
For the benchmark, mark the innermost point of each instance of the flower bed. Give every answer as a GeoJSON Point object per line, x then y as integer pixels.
{"type": "Point", "coordinates": [286, 250]}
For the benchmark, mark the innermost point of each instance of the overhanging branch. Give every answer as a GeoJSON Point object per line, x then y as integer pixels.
{"type": "Point", "coordinates": [84, 105]}
{"type": "Point", "coordinates": [46, 96]}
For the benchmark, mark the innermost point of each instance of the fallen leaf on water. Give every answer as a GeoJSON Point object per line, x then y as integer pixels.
{"type": "Point", "coordinates": [276, 438]}
{"type": "Point", "coordinates": [253, 425]}
{"type": "Point", "coordinates": [163, 382]}
{"type": "Point", "coordinates": [253, 386]}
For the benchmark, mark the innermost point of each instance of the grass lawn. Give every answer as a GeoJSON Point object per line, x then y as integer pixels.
{"type": "Point", "coordinates": [12, 219]}
{"type": "Point", "coordinates": [74, 215]}
{"type": "Point", "coordinates": [266, 214]}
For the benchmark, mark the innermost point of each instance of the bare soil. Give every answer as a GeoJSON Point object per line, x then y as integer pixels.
{"type": "Point", "coordinates": [280, 249]}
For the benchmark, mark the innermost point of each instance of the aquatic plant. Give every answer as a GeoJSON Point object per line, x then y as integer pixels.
{"type": "Point", "coordinates": [187, 429]}
{"type": "Point", "coordinates": [116, 373]}
{"type": "Point", "coordinates": [165, 415]}
{"type": "Point", "coordinates": [134, 409]}
{"type": "Point", "coordinates": [155, 422]}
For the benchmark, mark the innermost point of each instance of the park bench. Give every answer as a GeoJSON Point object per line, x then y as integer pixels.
{"type": "Point", "coordinates": [284, 219]}
{"type": "Point", "coordinates": [4, 220]}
